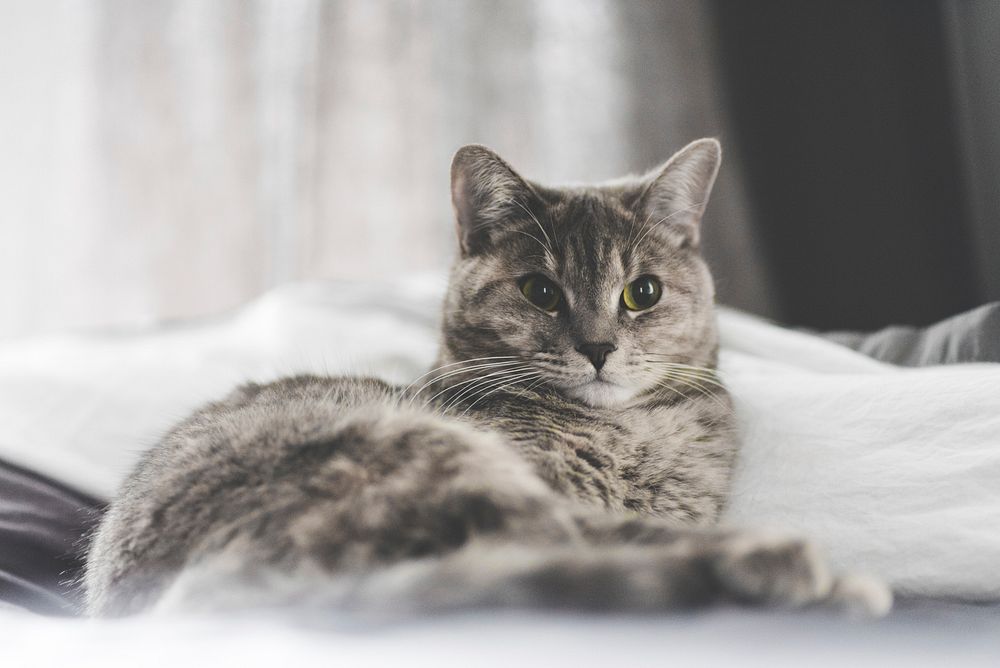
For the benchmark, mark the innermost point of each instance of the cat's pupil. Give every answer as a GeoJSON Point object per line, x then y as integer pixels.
{"type": "Point", "coordinates": [541, 292]}
{"type": "Point", "coordinates": [643, 289]}
{"type": "Point", "coordinates": [641, 293]}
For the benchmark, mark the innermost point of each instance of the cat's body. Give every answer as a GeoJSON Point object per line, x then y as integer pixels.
{"type": "Point", "coordinates": [569, 449]}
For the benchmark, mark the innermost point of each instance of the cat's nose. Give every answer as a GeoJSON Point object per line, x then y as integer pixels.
{"type": "Point", "coordinates": [597, 353]}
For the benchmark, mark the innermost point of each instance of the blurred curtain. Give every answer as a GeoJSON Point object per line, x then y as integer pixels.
{"type": "Point", "coordinates": [869, 132]}
{"type": "Point", "coordinates": [174, 158]}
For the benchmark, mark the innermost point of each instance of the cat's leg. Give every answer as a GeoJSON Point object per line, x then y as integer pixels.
{"type": "Point", "coordinates": [738, 569]}
{"type": "Point", "coordinates": [767, 568]}
{"type": "Point", "coordinates": [608, 528]}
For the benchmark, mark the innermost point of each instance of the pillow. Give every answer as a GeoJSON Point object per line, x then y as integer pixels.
{"type": "Point", "coordinates": [893, 470]}
{"type": "Point", "coordinates": [973, 336]}
{"type": "Point", "coordinates": [82, 408]}
{"type": "Point", "coordinates": [41, 553]}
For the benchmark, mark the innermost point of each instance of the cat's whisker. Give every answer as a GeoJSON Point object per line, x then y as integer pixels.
{"type": "Point", "coordinates": [445, 366]}
{"type": "Point", "coordinates": [474, 380]}
{"type": "Point", "coordinates": [510, 369]}
{"type": "Point", "coordinates": [549, 358]}
{"type": "Point", "coordinates": [667, 386]}
{"type": "Point", "coordinates": [549, 366]}
{"type": "Point", "coordinates": [650, 228]}
{"type": "Point", "coordinates": [713, 387]}
{"type": "Point", "coordinates": [695, 377]}
{"type": "Point", "coordinates": [691, 372]}
{"type": "Point", "coordinates": [531, 386]}
{"type": "Point", "coordinates": [463, 369]}
{"type": "Point", "coordinates": [705, 378]}
{"type": "Point", "coordinates": [677, 377]}
{"type": "Point", "coordinates": [536, 239]}
{"type": "Point", "coordinates": [706, 372]}
{"type": "Point", "coordinates": [632, 243]}
{"type": "Point", "coordinates": [532, 216]}
{"type": "Point", "coordinates": [548, 251]}
{"type": "Point", "coordinates": [470, 407]}
{"type": "Point", "coordinates": [483, 385]}
{"type": "Point", "coordinates": [659, 257]}
{"type": "Point", "coordinates": [501, 361]}
{"type": "Point", "coordinates": [459, 386]}
{"type": "Point", "coordinates": [631, 230]}
{"type": "Point", "coordinates": [703, 390]}
{"type": "Point", "coordinates": [496, 370]}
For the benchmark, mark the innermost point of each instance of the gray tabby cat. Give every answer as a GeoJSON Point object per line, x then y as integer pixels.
{"type": "Point", "coordinates": [571, 448]}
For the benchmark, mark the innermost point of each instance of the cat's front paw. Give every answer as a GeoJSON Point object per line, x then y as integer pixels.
{"type": "Point", "coordinates": [791, 573]}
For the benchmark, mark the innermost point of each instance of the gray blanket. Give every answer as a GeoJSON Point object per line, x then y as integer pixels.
{"type": "Point", "coordinates": [973, 336]}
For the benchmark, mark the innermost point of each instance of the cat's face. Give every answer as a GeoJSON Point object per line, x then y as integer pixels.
{"type": "Point", "coordinates": [593, 291]}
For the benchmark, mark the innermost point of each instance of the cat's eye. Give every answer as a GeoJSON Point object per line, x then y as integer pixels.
{"type": "Point", "coordinates": [641, 293]}
{"type": "Point", "coordinates": [541, 292]}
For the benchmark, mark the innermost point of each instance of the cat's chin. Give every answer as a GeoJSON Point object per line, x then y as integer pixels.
{"type": "Point", "coordinates": [600, 394]}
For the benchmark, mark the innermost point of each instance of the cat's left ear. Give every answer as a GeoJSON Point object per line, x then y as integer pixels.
{"type": "Point", "coordinates": [675, 195]}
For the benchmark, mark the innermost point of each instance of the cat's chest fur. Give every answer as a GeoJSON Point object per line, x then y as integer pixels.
{"type": "Point", "coordinates": [671, 460]}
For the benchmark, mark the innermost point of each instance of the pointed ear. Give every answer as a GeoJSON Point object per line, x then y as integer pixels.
{"type": "Point", "coordinates": [486, 193]}
{"type": "Point", "coordinates": [676, 194]}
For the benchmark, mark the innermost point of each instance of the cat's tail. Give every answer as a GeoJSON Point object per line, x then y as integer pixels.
{"type": "Point", "coordinates": [774, 572]}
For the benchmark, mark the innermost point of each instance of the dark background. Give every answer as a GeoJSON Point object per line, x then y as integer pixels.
{"type": "Point", "coordinates": [869, 139]}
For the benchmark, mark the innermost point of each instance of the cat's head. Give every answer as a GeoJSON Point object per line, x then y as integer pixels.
{"type": "Point", "coordinates": [591, 290]}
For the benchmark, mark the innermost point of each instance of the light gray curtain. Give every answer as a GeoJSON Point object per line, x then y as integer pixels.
{"type": "Point", "coordinates": [173, 158]}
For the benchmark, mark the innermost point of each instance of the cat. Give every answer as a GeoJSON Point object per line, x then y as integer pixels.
{"type": "Point", "coordinates": [572, 448]}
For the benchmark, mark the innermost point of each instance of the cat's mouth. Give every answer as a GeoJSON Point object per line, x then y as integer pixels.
{"type": "Point", "coordinates": [600, 393]}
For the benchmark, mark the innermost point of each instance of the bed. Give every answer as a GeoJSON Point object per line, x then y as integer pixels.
{"type": "Point", "coordinates": [883, 447]}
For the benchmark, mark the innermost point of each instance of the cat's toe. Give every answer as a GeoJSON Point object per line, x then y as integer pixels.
{"type": "Point", "coordinates": [773, 571]}
{"type": "Point", "coordinates": [860, 596]}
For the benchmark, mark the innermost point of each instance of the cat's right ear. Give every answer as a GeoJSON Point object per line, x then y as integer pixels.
{"type": "Point", "coordinates": [486, 194]}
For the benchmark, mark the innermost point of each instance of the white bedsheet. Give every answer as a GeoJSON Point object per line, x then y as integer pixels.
{"type": "Point", "coordinates": [895, 471]}
{"type": "Point", "coordinates": [933, 637]}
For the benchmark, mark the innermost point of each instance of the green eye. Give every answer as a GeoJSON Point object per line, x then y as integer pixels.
{"type": "Point", "coordinates": [541, 292]}
{"type": "Point", "coordinates": [641, 293]}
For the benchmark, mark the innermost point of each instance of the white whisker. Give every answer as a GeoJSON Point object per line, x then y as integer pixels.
{"type": "Point", "coordinates": [520, 379]}
{"type": "Point", "coordinates": [532, 216]}
{"type": "Point", "coordinates": [463, 370]}
{"type": "Point", "coordinates": [503, 373]}
{"type": "Point", "coordinates": [406, 389]}
{"type": "Point", "coordinates": [686, 209]}
{"type": "Point", "coordinates": [482, 386]}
